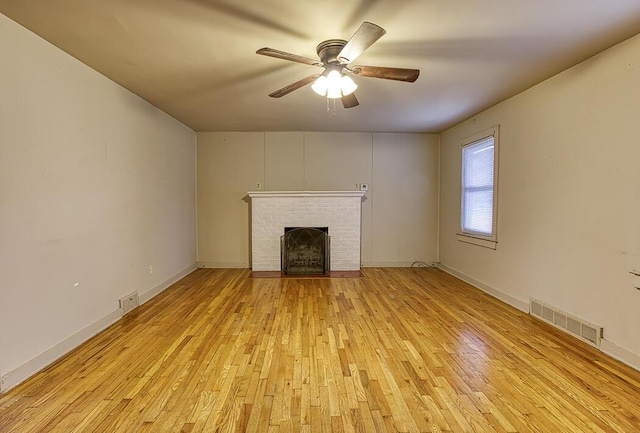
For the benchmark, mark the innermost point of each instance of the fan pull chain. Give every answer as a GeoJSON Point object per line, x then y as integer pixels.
{"type": "Point", "coordinates": [334, 106]}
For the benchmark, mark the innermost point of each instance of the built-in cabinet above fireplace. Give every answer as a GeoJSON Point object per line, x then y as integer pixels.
{"type": "Point", "coordinates": [273, 211]}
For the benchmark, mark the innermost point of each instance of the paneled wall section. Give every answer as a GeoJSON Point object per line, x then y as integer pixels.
{"type": "Point", "coordinates": [399, 211]}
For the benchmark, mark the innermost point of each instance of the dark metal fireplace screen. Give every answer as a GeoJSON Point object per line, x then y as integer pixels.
{"type": "Point", "coordinates": [305, 251]}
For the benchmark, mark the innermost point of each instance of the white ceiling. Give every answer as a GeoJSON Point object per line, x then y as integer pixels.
{"type": "Point", "coordinates": [195, 59]}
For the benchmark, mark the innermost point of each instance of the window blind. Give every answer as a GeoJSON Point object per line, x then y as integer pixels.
{"type": "Point", "coordinates": [477, 184]}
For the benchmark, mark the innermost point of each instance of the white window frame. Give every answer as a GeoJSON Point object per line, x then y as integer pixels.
{"type": "Point", "coordinates": [468, 236]}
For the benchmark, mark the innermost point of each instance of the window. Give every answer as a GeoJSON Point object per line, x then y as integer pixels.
{"type": "Point", "coordinates": [479, 182]}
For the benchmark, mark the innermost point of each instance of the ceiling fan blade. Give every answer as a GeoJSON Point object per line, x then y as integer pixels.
{"type": "Point", "coordinates": [362, 39]}
{"type": "Point", "coordinates": [294, 86]}
{"type": "Point", "coordinates": [350, 101]}
{"type": "Point", "coordinates": [398, 74]}
{"type": "Point", "coordinates": [288, 56]}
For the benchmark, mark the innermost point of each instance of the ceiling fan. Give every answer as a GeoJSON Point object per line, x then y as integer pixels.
{"type": "Point", "coordinates": [335, 57]}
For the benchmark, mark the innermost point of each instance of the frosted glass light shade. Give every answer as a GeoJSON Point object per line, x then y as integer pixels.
{"type": "Point", "coordinates": [334, 81]}
{"type": "Point", "coordinates": [334, 85]}
{"type": "Point", "coordinates": [347, 85]}
{"type": "Point", "coordinates": [320, 85]}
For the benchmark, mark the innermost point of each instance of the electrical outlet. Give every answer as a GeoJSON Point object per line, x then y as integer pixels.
{"type": "Point", "coordinates": [258, 186]}
{"type": "Point", "coordinates": [357, 187]}
{"type": "Point", "coordinates": [150, 269]}
{"type": "Point", "coordinates": [364, 187]}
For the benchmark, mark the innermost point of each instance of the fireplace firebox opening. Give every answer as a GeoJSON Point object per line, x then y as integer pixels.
{"type": "Point", "coordinates": [305, 251]}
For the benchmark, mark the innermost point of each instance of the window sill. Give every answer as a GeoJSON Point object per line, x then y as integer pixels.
{"type": "Point", "coordinates": [481, 242]}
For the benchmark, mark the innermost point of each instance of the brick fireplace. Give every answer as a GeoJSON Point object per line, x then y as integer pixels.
{"type": "Point", "coordinates": [272, 211]}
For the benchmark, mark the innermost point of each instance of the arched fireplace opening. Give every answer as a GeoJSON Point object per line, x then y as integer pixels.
{"type": "Point", "coordinates": [305, 251]}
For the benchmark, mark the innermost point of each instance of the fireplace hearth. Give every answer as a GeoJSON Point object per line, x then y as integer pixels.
{"type": "Point", "coordinates": [305, 251]}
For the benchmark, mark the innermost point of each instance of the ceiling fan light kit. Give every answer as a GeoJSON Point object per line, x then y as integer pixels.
{"type": "Point", "coordinates": [335, 56]}
{"type": "Point", "coordinates": [334, 85]}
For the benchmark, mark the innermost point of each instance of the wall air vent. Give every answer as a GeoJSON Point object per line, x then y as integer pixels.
{"type": "Point", "coordinates": [129, 302]}
{"type": "Point", "coordinates": [569, 323]}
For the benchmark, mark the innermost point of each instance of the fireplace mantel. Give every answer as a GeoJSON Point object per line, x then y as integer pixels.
{"type": "Point", "coordinates": [264, 194]}
{"type": "Point", "coordinates": [272, 211]}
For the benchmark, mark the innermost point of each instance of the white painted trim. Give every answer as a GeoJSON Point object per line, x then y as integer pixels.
{"type": "Point", "coordinates": [33, 366]}
{"type": "Point", "coordinates": [504, 297]}
{"type": "Point", "coordinates": [393, 264]}
{"type": "Point", "coordinates": [487, 243]}
{"type": "Point", "coordinates": [620, 353]}
{"type": "Point", "coordinates": [224, 265]}
{"type": "Point", "coordinates": [159, 288]}
{"type": "Point", "coordinates": [271, 194]}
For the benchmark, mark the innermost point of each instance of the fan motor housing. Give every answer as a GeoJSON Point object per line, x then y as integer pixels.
{"type": "Point", "coordinates": [328, 50]}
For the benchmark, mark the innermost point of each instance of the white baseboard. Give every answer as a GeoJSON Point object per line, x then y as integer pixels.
{"type": "Point", "coordinates": [31, 367]}
{"type": "Point", "coordinates": [620, 353]}
{"type": "Point", "coordinates": [159, 288]}
{"type": "Point", "coordinates": [504, 297]}
{"type": "Point", "coordinates": [392, 264]}
{"type": "Point", "coordinates": [224, 265]}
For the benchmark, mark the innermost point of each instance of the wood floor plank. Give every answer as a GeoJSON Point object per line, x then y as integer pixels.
{"type": "Point", "coordinates": [395, 350]}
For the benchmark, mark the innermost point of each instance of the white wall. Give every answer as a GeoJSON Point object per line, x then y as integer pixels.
{"type": "Point", "coordinates": [399, 212]}
{"type": "Point", "coordinates": [568, 209]}
{"type": "Point", "coordinates": [96, 185]}
{"type": "Point", "coordinates": [229, 165]}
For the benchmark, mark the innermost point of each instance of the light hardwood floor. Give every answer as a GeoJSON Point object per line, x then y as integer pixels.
{"type": "Point", "coordinates": [397, 350]}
